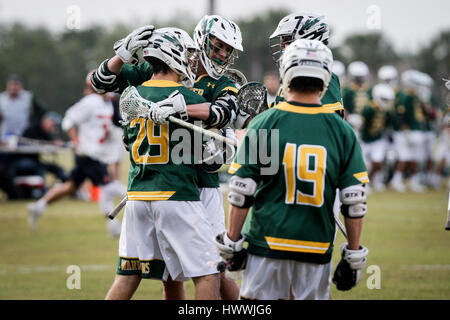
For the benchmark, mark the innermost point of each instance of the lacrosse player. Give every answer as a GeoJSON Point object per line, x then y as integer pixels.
{"type": "Point", "coordinates": [376, 116]}
{"type": "Point", "coordinates": [305, 26]}
{"type": "Point", "coordinates": [219, 41]}
{"type": "Point", "coordinates": [87, 123]}
{"type": "Point", "coordinates": [408, 137]}
{"type": "Point", "coordinates": [166, 233]}
{"type": "Point", "coordinates": [290, 229]}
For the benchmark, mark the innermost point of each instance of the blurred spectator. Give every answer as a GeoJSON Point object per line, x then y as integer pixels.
{"type": "Point", "coordinates": [272, 83]}
{"type": "Point", "coordinates": [43, 131]}
{"type": "Point", "coordinates": [17, 107]}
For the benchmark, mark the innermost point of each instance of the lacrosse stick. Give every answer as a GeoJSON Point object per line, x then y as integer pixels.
{"type": "Point", "coordinates": [236, 76]}
{"type": "Point", "coordinates": [132, 106]}
{"type": "Point", "coordinates": [252, 98]}
{"type": "Point", "coordinates": [117, 208]}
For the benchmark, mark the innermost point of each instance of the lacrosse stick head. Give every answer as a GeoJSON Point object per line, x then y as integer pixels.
{"type": "Point", "coordinates": [252, 98]}
{"type": "Point", "coordinates": [132, 105]}
{"type": "Point", "coordinates": [236, 76]}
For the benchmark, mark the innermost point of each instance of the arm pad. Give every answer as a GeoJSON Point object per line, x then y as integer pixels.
{"type": "Point", "coordinates": [103, 80]}
{"type": "Point", "coordinates": [222, 111]}
{"type": "Point", "coordinates": [242, 191]}
{"type": "Point", "coordinates": [353, 200]}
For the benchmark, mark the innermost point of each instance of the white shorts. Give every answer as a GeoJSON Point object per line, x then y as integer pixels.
{"type": "Point", "coordinates": [271, 279]}
{"type": "Point", "coordinates": [442, 152]}
{"type": "Point", "coordinates": [212, 200]}
{"type": "Point", "coordinates": [409, 145]}
{"type": "Point", "coordinates": [374, 151]}
{"type": "Point", "coordinates": [429, 143]}
{"type": "Point", "coordinates": [176, 232]}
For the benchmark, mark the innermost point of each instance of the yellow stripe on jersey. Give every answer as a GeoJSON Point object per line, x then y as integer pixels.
{"type": "Point", "coordinates": [150, 195]}
{"type": "Point", "coordinates": [334, 106]}
{"type": "Point", "coordinates": [363, 177]}
{"type": "Point", "coordinates": [297, 245]}
{"type": "Point", "coordinates": [199, 78]}
{"type": "Point", "coordinates": [234, 167]}
{"type": "Point", "coordinates": [299, 109]}
{"type": "Point", "coordinates": [161, 83]}
{"type": "Point", "coordinates": [233, 89]}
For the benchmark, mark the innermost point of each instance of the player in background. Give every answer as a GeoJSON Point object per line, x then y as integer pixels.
{"type": "Point", "coordinates": [429, 129]}
{"type": "Point", "coordinates": [356, 94]}
{"type": "Point", "coordinates": [408, 137]}
{"type": "Point", "coordinates": [339, 70]}
{"type": "Point", "coordinates": [376, 117]}
{"type": "Point", "coordinates": [87, 124]}
{"type": "Point", "coordinates": [166, 232]}
{"type": "Point", "coordinates": [219, 41]}
{"type": "Point", "coordinates": [305, 26]}
{"type": "Point", "coordinates": [290, 228]}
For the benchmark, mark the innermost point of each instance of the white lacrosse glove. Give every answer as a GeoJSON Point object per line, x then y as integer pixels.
{"type": "Point", "coordinates": [233, 253]}
{"type": "Point", "coordinates": [127, 48]}
{"type": "Point", "coordinates": [349, 270]}
{"type": "Point", "coordinates": [159, 112]}
{"type": "Point", "coordinates": [241, 118]}
{"type": "Point", "coordinates": [216, 153]}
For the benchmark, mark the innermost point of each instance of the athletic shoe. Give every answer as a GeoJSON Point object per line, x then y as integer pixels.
{"type": "Point", "coordinates": [416, 187]}
{"type": "Point", "coordinates": [398, 186]}
{"type": "Point", "coordinates": [35, 211]}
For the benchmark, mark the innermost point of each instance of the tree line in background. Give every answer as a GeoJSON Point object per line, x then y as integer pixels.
{"type": "Point", "coordinates": [54, 65]}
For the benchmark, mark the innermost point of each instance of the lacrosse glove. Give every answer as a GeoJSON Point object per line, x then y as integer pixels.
{"type": "Point", "coordinates": [349, 270]}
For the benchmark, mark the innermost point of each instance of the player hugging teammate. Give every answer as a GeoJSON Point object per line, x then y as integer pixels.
{"type": "Point", "coordinates": [174, 210]}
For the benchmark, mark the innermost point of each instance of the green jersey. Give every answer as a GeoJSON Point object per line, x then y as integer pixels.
{"type": "Point", "coordinates": [154, 174]}
{"type": "Point", "coordinates": [205, 86]}
{"type": "Point", "coordinates": [332, 97]}
{"type": "Point", "coordinates": [292, 216]}
{"type": "Point", "coordinates": [409, 112]}
{"type": "Point", "coordinates": [375, 121]}
{"type": "Point", "coordinates": [355, 98]}
{"type": "Point", "coordinates": [211, 89]}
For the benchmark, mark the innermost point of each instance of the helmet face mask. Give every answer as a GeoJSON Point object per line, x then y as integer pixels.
{"type": "Point", "coordinates": [175, 48]}
{"type": "Point", "coordinates": [297, 26]}
{"type": "Point", "coordinates": [218, 39]}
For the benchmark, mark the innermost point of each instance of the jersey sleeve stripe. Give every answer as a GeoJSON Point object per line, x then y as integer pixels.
{"type": "Point", "coordinates": [363, 177]}
{"type": "Point", "coordinates": [234, 167]}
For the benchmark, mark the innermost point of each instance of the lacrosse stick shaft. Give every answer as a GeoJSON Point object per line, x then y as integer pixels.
{"type": "Point", "coordinates": [341, 226]}
{"type": "Point", "coordinates": [118, 208]}
{"type": "Point", "coordinates": [203, 131]}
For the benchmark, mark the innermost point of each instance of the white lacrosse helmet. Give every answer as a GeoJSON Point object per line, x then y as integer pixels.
{"type": "Point", "coordinates": [383, 95]}
{"type": "Point", "coordinates": [387, 73]}
{"type": "Point", "coordinates": [306, 58]}
{"type": "Point", "coordinates": [171, 45]}
{"type": "Point", "coordinates": [411, 79]}
{"type": "Point", "coordinates": [226, 31]}
{"type": "Point", "coordinates": [426, 83]}
{"type": "Point", "coordinates": [297, 26]}
{"type": "Point", "coordinates": [358, 69]}
{"type": "Point", "coordinates": [338, 68]}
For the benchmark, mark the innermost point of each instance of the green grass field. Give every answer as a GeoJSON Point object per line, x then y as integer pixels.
{"type": "Point", "coordinates": [404, 233]}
